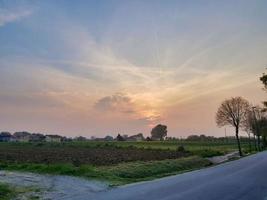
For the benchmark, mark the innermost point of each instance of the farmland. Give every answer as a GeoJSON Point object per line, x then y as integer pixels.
{"type": "Point", "coordinates": [105, 155]}
{"type": "Point", "coordinates": [115, 162]}
{"type": "Point", "coordinates": [195, 147]}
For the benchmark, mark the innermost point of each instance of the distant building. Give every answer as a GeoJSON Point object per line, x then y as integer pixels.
{"type": "Point", "coordinates": [22, 136]}
{"type": "Point", "coordinates": [37, 137]}
{"type": "Point", "coordinates": [80, 138]}
{"type": "Point", "coordinates": [137, 137]}
{"type": "Point", "coordinates": [53, 138]}
{"type": "Point", "coordinates": [108, 138]}
{"type": "Point", "coordinates": [99, 139]}
{"type": "Point", "coordinates": [65, 139]}
{"type": "Point", "coordinates": [120, 138]}
{"type": "Point", "coordinates": [5, 137]}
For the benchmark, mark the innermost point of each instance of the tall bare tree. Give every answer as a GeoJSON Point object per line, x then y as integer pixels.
{"type": "Point", "coordinates": [233, 112]}
{"type": "Point", "coordinates": [259, 127]}
{"type": "Point", "coordinates": [263, 79]}
{"type": "Point", "coordinates": [256, 123]}
{"type": "Point", "coordinates": [263, 125]}
{"type": "Point", "coordinates": [248, 126]}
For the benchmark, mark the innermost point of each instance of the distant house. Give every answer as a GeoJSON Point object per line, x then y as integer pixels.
{"type": "Point", "coordinates": [22, 136]}
{"type": "Point", "coordinates": [99, 139]}
{"type": "Point", "coordinates": [137, 137]}
{"type": "Point", "coordinates": [53, 138]}
{"type": "Point", "coordinates": [5, 137]}
{"type": "Point", "coordinates": [120, 138]}
{"type": "Point", "coordinates": [37, 137]}
{"type": "Point", "coordinates": [80, 138]}
{"type": "Point", "coordinates": [108, 138]}
{"type": "Point", "coordinates": [65, 139]}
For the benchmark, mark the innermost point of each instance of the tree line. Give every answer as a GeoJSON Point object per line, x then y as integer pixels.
{"type": "Point", "coordinates": [242, 115]}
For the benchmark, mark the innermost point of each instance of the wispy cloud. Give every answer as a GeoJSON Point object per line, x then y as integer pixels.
{"type": "Point", "coordinates": [116, 102]}
{"type": "Point", "coordinates": [114, 72]}
{"type": "Point", "coordinates": [11, 15]}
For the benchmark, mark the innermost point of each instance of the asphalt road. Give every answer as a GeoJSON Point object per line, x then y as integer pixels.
{"type": "Point", "coordinates": [243, 179]}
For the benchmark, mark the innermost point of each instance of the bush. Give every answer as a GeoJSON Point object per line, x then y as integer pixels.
{"type": "Point", "coordinates": [76, 162]}
{"type": "Point", "coordinates": [181, 148]}
{"type": "Point", "coordinates": [206, 153]}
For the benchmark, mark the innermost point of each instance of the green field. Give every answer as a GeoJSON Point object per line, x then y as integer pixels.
{"type": "Point", "coordinates": [115, 162]}
{"type": "Point", "coordinates": [167, 145]}
{"type": "Point", "coordinates": [196, 147]}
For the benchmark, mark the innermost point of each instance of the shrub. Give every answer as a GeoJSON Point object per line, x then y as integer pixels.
{"type": "Point", "coordinates": [181, 148]}
{"type": "Point", "coordinates": [208, 153]}
{"type": "Point", "coordinates": [76, 162]}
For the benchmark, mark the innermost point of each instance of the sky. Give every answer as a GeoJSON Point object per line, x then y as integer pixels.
{"type": "Point", "coordinates": [97, 68]}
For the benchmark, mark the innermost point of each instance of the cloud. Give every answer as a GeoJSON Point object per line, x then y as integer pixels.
{"type": "Point", "coordinates": [117, 102]}
{"type": "Point", "coordinates": [8, 16]}
{"type": "Point", "coordinates": [122, 106]}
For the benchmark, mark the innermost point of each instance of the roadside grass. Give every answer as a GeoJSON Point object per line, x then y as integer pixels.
{"type": "Point", "coordinates": [118, 174]}
{"type": "Point", "coordinates": [142, 171]}
{"type": "Point", "coordinates": [6, 192]}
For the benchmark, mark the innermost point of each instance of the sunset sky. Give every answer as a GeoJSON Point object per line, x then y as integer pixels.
{"type": "Point", "coordinates": [106, 67]}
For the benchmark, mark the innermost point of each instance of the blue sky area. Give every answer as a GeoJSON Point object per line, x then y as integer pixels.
{"type": "Point", "coordinates": [103, 67]}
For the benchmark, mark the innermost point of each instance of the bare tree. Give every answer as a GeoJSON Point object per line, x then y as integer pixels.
{"type": "Point", "coordinates": [252, 122]}
{"type": "Point", "coordinates": [248, 126]}
{"type": "Point", "coordinates": [264, 132]}
{"type": "Point", "coordinates": [255, 141]}
{"type": "Point", "coordinates": [233, 112]}
{"type": "Point", "coordinates": [259, 124]}
{"type": "Point", "coordinates": [263, 79]}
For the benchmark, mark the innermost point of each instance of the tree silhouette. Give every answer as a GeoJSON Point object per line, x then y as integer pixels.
{"type": "Point", "coordinates": [248, 127]}
{"type": "Point", "coordinates": [263, 131]}
{"type": "Point", "coordinates": [159, 132]}
{"type": "Point", "coordinates": [233, 112]}
{"type": "Point", "coordinates": [120, 138]}
{"type": "Point", "coordinates": [259, 125]}
{"type": "Point", "coordinates": [263, 79]}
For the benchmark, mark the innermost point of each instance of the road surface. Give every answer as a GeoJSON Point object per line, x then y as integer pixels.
{"type": "Point", "coordinates": [244, 179]}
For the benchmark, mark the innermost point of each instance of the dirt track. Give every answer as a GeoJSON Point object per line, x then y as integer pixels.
{"type": "Point", "coordinates": [52, 187]}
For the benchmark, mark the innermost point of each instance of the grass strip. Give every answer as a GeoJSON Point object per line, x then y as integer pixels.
{"type": "Point", "coordinates": [119, 174]}
{"type": "Point", "coordinates": [6, 192]}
